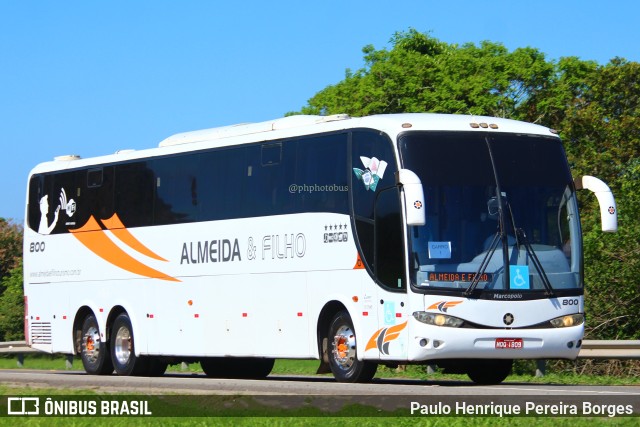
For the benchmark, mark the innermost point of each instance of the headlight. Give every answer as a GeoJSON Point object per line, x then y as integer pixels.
{"type": "Point", "coordinates": [438, 319]}
{"type": "Point", "coordinates": [567, 321]}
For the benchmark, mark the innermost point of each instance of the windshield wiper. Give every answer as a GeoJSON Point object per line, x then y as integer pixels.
{"type": "Point", "coordinates": [522, 237]}
{"type": "Point", "coordinates": [484, 264]}
{"type": "Point", "coordinates": [502, 232]}
{"type": "Point", "coordinates": [501, 235]}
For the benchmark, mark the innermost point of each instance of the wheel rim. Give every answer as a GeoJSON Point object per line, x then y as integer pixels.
{"type": "Point", "coordinates": [92, 344]}
{"type": "Point", "coordinates": [122, 345]}
{"type": "Point", "coordinates": [344, 347]}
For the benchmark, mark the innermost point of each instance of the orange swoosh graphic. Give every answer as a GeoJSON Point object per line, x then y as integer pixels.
{"type": "Point", "coordinates": [373, 340]}
{"type": "Point", "coordinates": [390, 334]}
{"type": "Point", "coordinates": [447, 305]}
{"type": "Point", "coordinates": [394, 331]}
{"type": "Point", "coordinates": [116, 226]}
{"type": "Point", "coordinates": [95, 239]}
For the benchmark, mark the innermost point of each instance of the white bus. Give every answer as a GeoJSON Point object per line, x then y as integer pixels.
{"type": "Point", "coordinates": [394, 239]}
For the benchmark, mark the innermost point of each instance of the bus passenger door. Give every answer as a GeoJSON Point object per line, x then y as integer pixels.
{"type": "Point", "coordinates": [391, 339]}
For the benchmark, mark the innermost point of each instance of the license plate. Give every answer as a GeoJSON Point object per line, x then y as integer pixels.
{"type": "Point", "coordinates": [509, 343]}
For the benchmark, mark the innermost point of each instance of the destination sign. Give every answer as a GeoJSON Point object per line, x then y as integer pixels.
{"type": "Point", "coordinates": [458, 277]}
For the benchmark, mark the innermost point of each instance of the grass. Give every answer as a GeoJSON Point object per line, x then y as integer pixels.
{"type": "Point", "coordinates": [303, 417]}
{"type": "Point", "coordinates": [242, 411]}
{"type": "Point", "coordinates": [324, 421]}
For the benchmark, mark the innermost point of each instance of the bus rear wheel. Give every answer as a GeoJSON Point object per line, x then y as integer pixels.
{"type": "Point", "coordinates": [94, 353]}
{"type": "Point", "coordinates": [343, 357]}
{"type": "Point", "coordinates": [489, 371]}
{"type": "Point", "coordinates": [125, 361]}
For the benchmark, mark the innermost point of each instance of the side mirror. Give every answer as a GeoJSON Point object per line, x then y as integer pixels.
{"type": "Point", "coordinates": [413, 196]}
{"type": "Point", "coordinates": [608, 209]}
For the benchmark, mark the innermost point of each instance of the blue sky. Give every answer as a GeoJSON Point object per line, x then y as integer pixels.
{"type": "Point", "coordinates": [93, 77]}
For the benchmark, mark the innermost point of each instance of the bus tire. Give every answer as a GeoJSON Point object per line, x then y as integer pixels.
{"type": "Point", "coordinates": [214, 367]}
{"type": "Point", "coordinates": [125, 361]}
{"type": "Point", "coordinates": [489, 371]}
{"type": "Point", "coordinates": [156, 366]}
{"type": "Point", "coordinates": [343, 357]}
{"type": "Point", "coordinates": [254, 368]}
{"type": "Point", "coordinates": [95, 355]}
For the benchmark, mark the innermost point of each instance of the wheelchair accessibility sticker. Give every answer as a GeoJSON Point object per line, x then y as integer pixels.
{"type": "Point", "coordinates": [389, 313]}
{"type": "Point", "coordinates": [519, 275]}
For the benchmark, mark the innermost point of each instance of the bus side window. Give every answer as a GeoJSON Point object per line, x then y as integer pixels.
{"type": "Point", "coordinates": [176, 189]}
{"type": "Point", "coordinates": [269, 171]}
{"type": "Point", "coordinates": [221, 176]}
{"type": "Point", "coordinates": [134, 194]}
{"type": "Point", "coordinates": [67, 199]}
{"type": "Point", "coordinates": [97, 197]}
{"type": "Point", "coordinates": [321, 177]}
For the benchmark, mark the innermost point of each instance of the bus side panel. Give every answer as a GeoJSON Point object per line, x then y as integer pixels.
{"type": "Point", "coordinates": [241, 315]}
{"type": "Point", "coordinates": [49, 315]}
{"type": "Point", "coordinates": [355, 290]}
{"type": "Point", "coordinates": [222, 288]}
{"type": "Point", "coordinates": [49, 318]}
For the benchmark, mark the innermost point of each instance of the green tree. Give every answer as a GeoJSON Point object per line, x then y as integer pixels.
{"type": "Point", "coordinates": [10, 246]}
{"type": "Point", "coordinates": [601, 136]}
{"type": "Point", "coordinates": [566, 86]}
{"type": "Point", "coordinates": [11, 290]}
{"type": "Point", "coordinates": [421, 73]}
{"type": "Point", "coordinates": [12, 306]}
{"type": "Point", "coordinates": [600, 129]}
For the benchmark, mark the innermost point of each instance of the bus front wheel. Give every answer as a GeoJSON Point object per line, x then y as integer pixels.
{"type": "Point", "coordinates": [489, 371]}
{"type": "Point", "coordinates": [343, 357]}
{"type": "Point", "coordinates": [94, 353]}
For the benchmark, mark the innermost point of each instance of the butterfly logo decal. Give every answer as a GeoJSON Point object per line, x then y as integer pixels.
{"type": "Point", "coordinates": [372, 173]}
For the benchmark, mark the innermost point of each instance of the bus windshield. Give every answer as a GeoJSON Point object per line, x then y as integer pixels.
{"type": "Point", "coordinates": [501, 215]}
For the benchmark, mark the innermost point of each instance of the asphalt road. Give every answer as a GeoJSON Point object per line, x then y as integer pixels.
{"type": "Point", "coordinates": [179, 383]}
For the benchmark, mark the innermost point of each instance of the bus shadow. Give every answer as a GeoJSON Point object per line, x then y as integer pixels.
{"type": "Point", "coordinates": [412, 382]}
{"type": "Point", "coordinates": [387, 381]}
